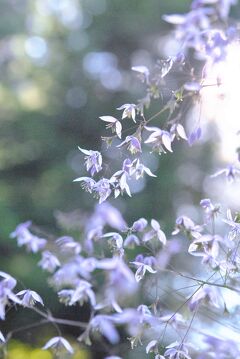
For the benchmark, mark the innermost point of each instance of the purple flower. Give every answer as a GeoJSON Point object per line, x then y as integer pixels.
{"type": "Point", "coordinates": [186, 225]}
{"type": "Point", "coordinates": [58, 343]}
{"type": "Point", "coordinates": [69, 245]}
{"type": "Point", "coordinates": [143, 73]}
{"type": "Point", "coordinates": [140, 169]}
{"type": "Point", "coordinates": [133, 144]}
{"type": "Point", "coordinates": [115, 240]}
{"type": "Point", "coordinates": [49, 261]}
{"type": "Point", "coordinates": [7, 284]}
{"type": "Point", "coordinates": [104, 324]}
{"type": "Point", "coordinates": [25, 237]}
{"type": "Point", "coordinates": [155, 232]}
{"type": "Point", "coordinates": [87, 183]}
{"type": "Point", "coordinates": [234, 223]}
{"type": "Point", "coordinates": [152, 347]}
{"type": "Point", "coordinates": [102, 189]}
{"type": "Point", "coordinates": [139, 225]}
{"type": "Point", "coordinates": [207, 295]}
{"type": "Point", "coordinates": [194, 136]}
{"type": "Point", "coordinates": [141, 270]}
{"type": "Point", "coordinates": [93, 160]}
{"type": "Point", "coordinates": [131, 241]}
{"type": "Point", "coordinates": [231, 172]}
{"type": "Point", "coordinates": [29, 298]}
{"type": "Point", "coordinates": [177, 350]}
{"type": "Point", "coordinates": [82, 293]}
{"type": "Point", "coordinates": [159, 139]}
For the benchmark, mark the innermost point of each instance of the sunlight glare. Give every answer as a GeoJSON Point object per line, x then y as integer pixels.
{"type": "Point", "coordinates": [221, 100]}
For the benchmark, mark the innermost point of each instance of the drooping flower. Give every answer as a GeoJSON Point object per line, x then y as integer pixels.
{"type": "Point", "coordinates": [82, 293]}
{"type": "Point", "coordinates": [177, 130]}
{"type": "Point", "coordinates": [129, 111]}
{"type": "Point", "coordinates": [141, 270]}
{"type": "Point", "coordinates": [143, 72]}
{"type": "Point", "coordinates": [29, 298]}
{"type": "Point", "coordinates": [69, 245]}
{"type": "Point", "coordinates": [152, 347]}
{"type": "Point", "coordinates": [231, 172]}
{"type": "Point", "coordinates": [139, 225]}
{"type": "Point", "coordinates": [87, 183]}
{"type": "Point", "coordinates": [155, 232]}
{"type": "Point", "coordinates": [102, 189]}
{"type": "Point", "coordinates": [133, 144]}
{"type": "Point", "coordinates": [159, 139]}
{"type": "Point", "coordinates": [177, 350]}
{"type": "Point", "coordinates": [49, 261]}
{"type": "Point", "coordinates": [114, 124]}
{"type": "Point", "coordinates": [25, 237]}
{"type": "Point", "coordinates": [93, 161]}
{"type": "Point", "coordinates": [140, 169]}
{"type": "Point", "coordinates": [2, 339]}
{"type": "Point", "coordinates": [58, 343]}
{"type": "Point", "coordinates": [7, 284]}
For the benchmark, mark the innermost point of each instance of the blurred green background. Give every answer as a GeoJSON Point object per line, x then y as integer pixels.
{"type": "Point", "coordinates": [64, 63]}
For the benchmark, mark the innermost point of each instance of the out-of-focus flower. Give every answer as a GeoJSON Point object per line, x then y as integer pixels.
{"type": "Point", "coordinates": [177, 130]}
{"type": "Point", "coordinates": [231, 172]}
{"type": "Point", "coordinates": [102, 189]}
{"type": "Point", "coordinates": [59, 343]}
{"type": "Point", "coordinates": [207, 295]}
{"type": "Point", "coordinates": [152, 347]}
{"type": "Point", "coordinates": [7, 284]}
{"type": "Point", "coordinates": [25, 237]}
{"type": "Point", "coordinates": [155, 232]}
{"type": "Point", "coordinates": [80, 294]}
{"type": "Point", "coordinates": [49, 261]}
{"type": "Point", "coordinates": [143, 72]}
{"type": "Point", "coordinates": [141, 270]}
{"type": "Point", "coordinates": [177, 350]}
{"type": "Point", "coordinates": [2, 339]}
{"type": "Point", "coordinates": [69, 245]}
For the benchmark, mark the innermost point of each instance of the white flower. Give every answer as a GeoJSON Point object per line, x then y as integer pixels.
{"type": "Point", "coordinates": [58, 343]}
{"type": "Point", "coordinates": [129, 111]}
{"type": "Point", "coordinates": [114, 124]}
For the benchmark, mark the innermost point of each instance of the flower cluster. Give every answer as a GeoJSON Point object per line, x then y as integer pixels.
{"type": "Point", "coordinates": [131, 276]}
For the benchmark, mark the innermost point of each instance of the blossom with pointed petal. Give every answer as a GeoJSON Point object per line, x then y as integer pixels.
{"type": "Point", "coordinates": [93, 160]}
{"type": "Point", "coordinates": [133, 144]}
{"type": "Point", "coordinates": [160, 139]}
{"type": "Point", "coordinates": [87, 183]}
{"type": "Point", "coordinates": [155, 232]}
{"type": "Point", "coordinates": [129, 111]}
{"type": "Point", "coordinates": [49, 261]}
{"type": "Point", "coordinates": [58, 343]}
{"type": "Point", "coordinates": [140, 169]}
{"type": "Point", "coordinates": [114, 124]}
{"type": "Point", "coordinates": [143, 72]}
{"type": "Point", "coordinates": [231, 172]}
{"type": "Point", "coordinates": [141, 270]}
{"type": "Point", "coordinates": [29, 298]}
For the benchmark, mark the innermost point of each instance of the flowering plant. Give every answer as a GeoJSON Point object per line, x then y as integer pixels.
{"type": "Point", "coordinates": [129, 274]}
